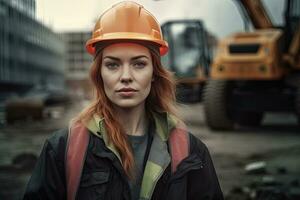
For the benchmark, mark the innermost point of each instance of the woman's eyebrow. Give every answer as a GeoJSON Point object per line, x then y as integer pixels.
{"type": "Point", "coordinates": [133, 58]}
{"type": "Point", "coordinates": [137, 57]}
{"type": "Point", "coordinates": [113, 58]}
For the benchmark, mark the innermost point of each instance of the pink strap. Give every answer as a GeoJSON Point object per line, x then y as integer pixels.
{"type": "Point", "coordinates": [179, 146]}
{"type": "Point", "coordinates": [78, 140]}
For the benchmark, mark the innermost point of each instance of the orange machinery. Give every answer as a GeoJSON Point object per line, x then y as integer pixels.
{"type": "Point", "coordinates": [255, 72]}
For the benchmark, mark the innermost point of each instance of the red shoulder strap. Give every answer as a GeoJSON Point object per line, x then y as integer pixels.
{"type": "Point", "coordinates": [179, 146]}
{"type": "Point", "coordinates": [78, 140]}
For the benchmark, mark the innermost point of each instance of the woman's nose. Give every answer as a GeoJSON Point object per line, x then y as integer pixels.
{"type": "Point", "coordinates": [126, 76]}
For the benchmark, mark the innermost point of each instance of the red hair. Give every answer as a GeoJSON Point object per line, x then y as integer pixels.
{"type": "Point", "coordinates": [161, 99]}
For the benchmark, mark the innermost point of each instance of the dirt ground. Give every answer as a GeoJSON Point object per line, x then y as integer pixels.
{"type": "Point", "coordinates": [276, 143]}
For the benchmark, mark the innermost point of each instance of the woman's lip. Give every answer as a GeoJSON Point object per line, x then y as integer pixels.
{"type": "Point", "coordinates": [126, 93]}
{"type": "Point", "coordinates": [127, 90]}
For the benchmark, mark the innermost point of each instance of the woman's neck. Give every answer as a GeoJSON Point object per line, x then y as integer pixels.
{"type": "Point", "coordinates": [133, 120]}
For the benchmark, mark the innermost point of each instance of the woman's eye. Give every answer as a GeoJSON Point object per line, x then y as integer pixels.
{"type": "Point", "coordinates": [140, 64]}
{"type": "Point", "coordinates": [111, 65]}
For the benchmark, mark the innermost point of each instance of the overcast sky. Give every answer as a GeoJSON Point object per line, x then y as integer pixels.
{"type": "Point", "coordinates": [221, 17]}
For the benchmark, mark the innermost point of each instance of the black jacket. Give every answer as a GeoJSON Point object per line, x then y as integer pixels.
{"type": "Point", "coordinates": [103, 176]}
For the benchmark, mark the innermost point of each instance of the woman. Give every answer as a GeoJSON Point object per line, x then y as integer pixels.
{"type": "Point", "coordinates": [131, 125]}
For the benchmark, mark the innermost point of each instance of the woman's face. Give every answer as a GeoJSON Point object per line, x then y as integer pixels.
{"type": "Point", "coordinates": [127, 73]}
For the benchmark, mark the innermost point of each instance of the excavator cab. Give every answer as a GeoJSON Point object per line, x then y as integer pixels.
{"type": "Point", "coordinates": [189, 56]}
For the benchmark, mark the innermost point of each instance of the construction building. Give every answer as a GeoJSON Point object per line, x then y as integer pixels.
{"type": "Point", "coordinates": [30, 53]}
{"type": "Point", "coordinates": [78, 63]}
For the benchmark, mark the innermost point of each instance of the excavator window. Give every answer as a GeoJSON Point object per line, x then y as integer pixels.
{"type": "Point", "coordinates": [188, 47]}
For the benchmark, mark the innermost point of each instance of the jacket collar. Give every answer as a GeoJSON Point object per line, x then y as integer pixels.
{"type": "Point", "coordinates": [96, 126]}
{"type": "Point", "coordinates": [164, 123]}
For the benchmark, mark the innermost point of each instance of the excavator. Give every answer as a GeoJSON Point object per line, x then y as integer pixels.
{"type": "Point", "coordinates": [189, 57]}
{"type": "Point", "coordinates": [255, 72]}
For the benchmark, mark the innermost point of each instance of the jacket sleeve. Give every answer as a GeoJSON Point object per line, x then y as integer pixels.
{"type": "Point", "coordinates": [203, 183]}
{"type": "Point", "coordinates": [47, 181]}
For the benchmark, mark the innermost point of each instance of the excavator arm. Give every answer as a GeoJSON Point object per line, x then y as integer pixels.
{"type": "Point", "coordinates": [257, 13]}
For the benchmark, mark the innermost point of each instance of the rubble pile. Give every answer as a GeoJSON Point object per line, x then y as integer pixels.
{"type": "Point", "coordinates": [267, 186]}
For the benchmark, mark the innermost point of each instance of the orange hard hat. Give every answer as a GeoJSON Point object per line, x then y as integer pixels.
{"type": "Point", "coordinates": [127, 21]}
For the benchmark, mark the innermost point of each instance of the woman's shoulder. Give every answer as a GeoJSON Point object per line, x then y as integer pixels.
{"type": "Point", "coordinates": [58, 136]}
{"type": "Point", "coordinates": [197, 145]}
{"type": "Point", "coordinates": [57, 141]}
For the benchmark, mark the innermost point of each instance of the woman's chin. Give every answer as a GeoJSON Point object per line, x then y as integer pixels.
{"type": "Point", "coordinates": [127, 104]}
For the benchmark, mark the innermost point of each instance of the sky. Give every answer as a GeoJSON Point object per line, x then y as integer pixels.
{"type": "Point", "coordinates": [221, 17]}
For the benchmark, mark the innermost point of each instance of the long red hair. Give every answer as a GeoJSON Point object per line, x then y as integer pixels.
{"type": "Point", "coordinates": [161, 99]}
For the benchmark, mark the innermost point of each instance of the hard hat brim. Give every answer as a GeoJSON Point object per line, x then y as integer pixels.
{"type": "Point", "coordinates": [90, 44]}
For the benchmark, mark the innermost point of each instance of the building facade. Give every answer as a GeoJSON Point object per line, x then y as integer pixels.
{"type": "Point", "coordinates": [30, 53]}
{"type": "Point", "coordinates": [78, 63]}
